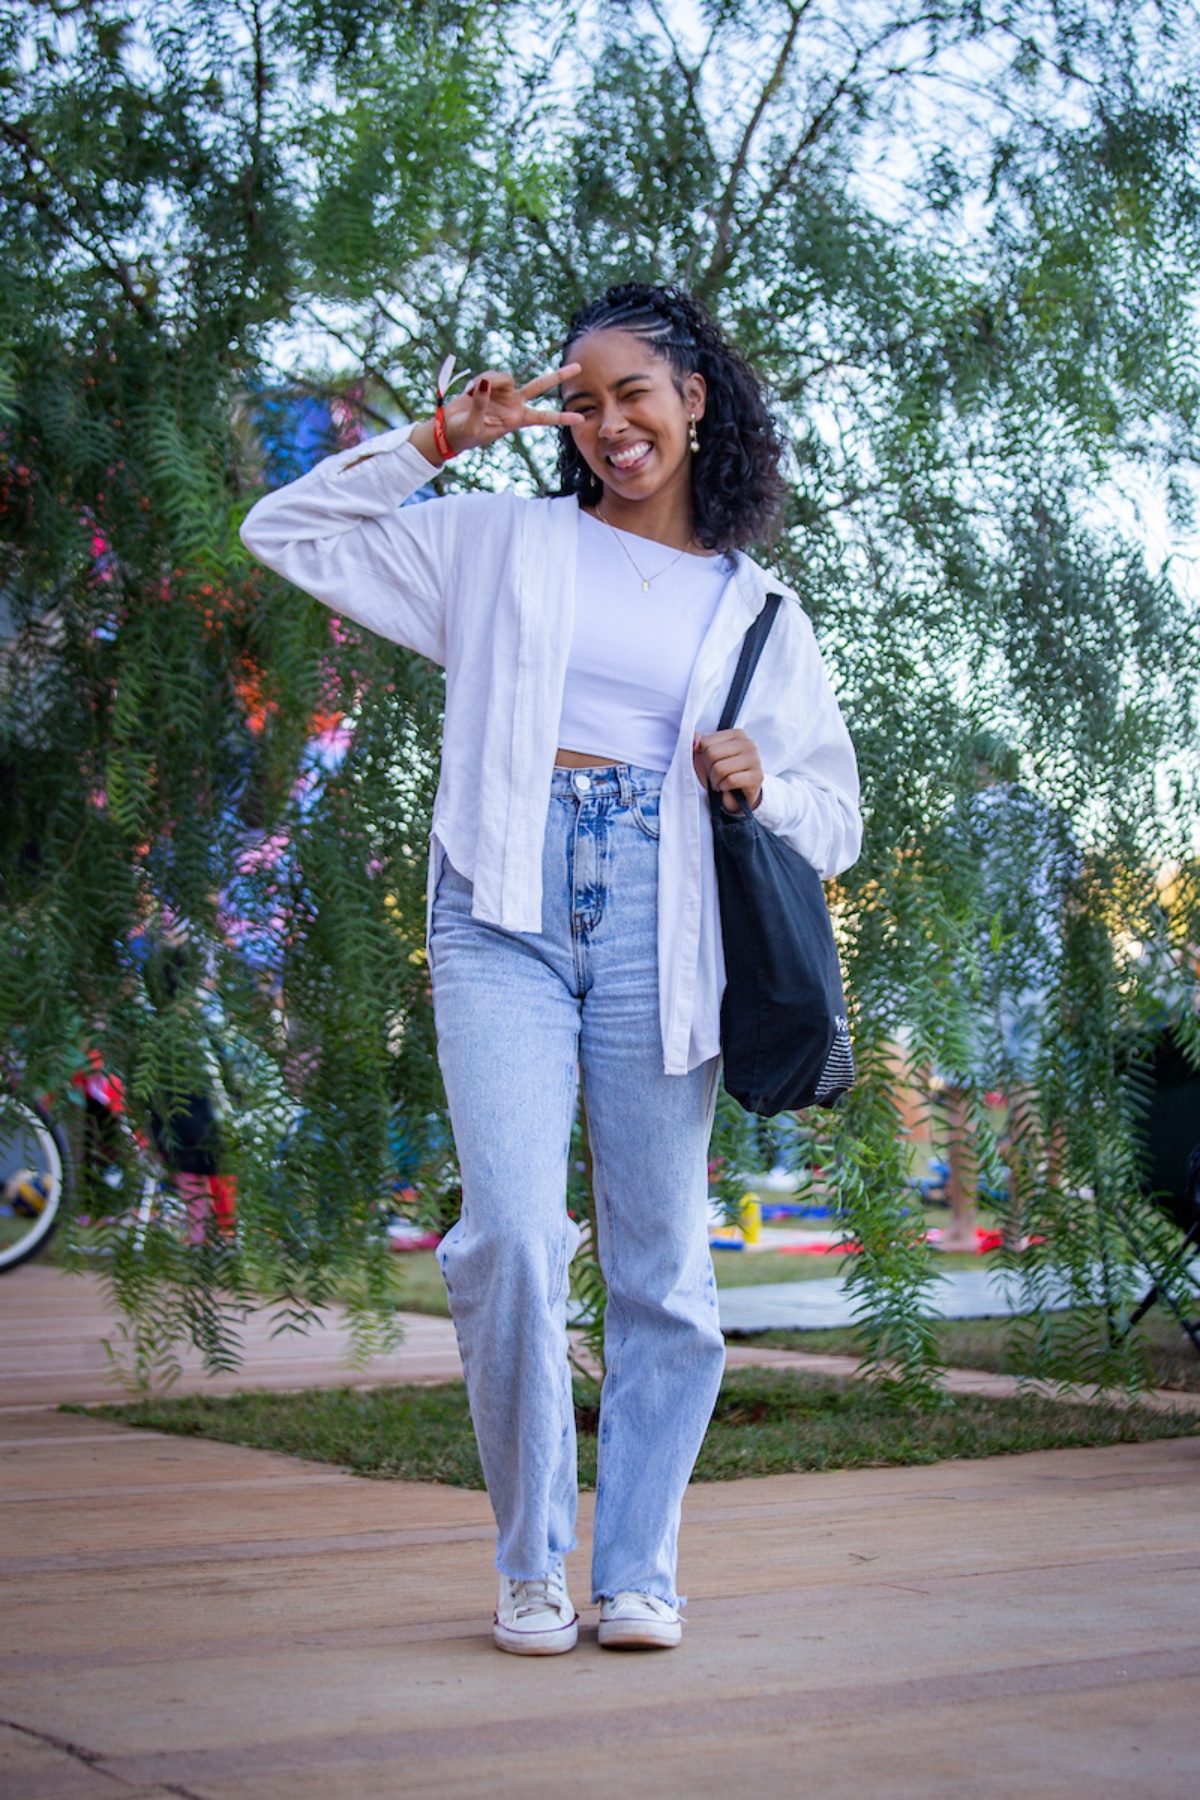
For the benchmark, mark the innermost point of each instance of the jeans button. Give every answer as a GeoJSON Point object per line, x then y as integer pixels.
{"type": "Point", "coordinates": [582, 783]}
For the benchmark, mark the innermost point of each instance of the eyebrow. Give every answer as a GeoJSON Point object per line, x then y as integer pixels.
{"type": "Point", "coordinates": [621, 381]}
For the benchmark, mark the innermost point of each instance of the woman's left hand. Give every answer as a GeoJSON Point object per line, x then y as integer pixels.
{"type": "Point", "coordinates": [729, 761]}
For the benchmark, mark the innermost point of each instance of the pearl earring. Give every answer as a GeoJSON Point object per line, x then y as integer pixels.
{"type": "Point", "coordinates": [693, 434]}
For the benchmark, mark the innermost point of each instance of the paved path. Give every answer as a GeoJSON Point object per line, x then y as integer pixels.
{"type": "Point", "coordinates": [824, 1304]}
{"type": "Point", "coordinates": [195, 1619]}
{"type": "Point", "coordinates": [53, 1328]}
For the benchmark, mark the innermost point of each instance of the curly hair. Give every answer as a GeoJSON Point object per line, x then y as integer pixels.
{"type": "Point", "coordinates": [737, 487]}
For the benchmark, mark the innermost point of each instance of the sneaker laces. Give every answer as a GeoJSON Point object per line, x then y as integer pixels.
{"type": "Point", "coordinates": [543, 1593]}
{"type": "Point", "coordinates": [628, 1596]}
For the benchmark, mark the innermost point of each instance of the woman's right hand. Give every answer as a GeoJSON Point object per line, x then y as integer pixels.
{"type": "Point", "coordinates": [492, 407]}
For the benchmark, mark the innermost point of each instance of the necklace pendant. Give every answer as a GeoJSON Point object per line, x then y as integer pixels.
{"type": "Point", "coordinates": [645, 587]}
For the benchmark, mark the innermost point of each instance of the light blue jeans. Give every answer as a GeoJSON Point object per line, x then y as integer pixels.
{"type": "Point", "coordinates": [520, 1016]}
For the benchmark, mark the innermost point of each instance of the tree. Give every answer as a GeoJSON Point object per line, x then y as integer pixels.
{"type": "Point", "coordinates": [960, 241]}
{"type": "Point", "coordinates": [163, 790]}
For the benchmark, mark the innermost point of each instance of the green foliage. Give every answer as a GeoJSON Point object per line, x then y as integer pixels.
{"type": "Point", "coordinates": [889, 1272]}
{"type": "Point", "coordinates": [961, 244]}
{"type": "Point", "coordinates": [164, 705]}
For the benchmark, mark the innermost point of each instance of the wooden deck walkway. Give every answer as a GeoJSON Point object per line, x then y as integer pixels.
{"type": "Point", "coordinates": [201, 1620]}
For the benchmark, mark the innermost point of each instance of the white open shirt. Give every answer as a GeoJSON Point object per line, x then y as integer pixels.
{"type": "Point", "coordinates": [484, 584]}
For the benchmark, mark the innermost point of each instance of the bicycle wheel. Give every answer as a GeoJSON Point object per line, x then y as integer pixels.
{"type": "Point", "coordinates": [34, 1180]}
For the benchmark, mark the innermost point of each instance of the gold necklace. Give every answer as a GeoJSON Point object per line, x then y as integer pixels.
{"type": "Point", "coordinates": [640, 573]}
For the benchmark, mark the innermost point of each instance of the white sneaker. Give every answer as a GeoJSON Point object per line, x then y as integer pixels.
{"type": "Point", "coordinates": [638, 1622]}
{"type": "Point", "coordinates": [536, 1618]}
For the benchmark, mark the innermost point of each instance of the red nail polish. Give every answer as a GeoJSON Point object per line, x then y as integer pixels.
{"type": "Point", "coordinates": [484, 387]}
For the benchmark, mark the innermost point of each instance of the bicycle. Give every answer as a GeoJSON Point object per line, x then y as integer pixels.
{"type": "Point", "coordinates": [149, 1180]}
{"type": "Point", "coordinates": [35, 1180]}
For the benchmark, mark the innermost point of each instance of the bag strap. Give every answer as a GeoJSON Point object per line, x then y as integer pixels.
{"type": "Point", "coordinates": [752, 649]}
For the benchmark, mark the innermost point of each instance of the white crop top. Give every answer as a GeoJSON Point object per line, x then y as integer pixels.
{"type": "Point", "coordinates": [632, 652]}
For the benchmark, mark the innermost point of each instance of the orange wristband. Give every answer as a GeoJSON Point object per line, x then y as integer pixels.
{"type": "Point", "coordinates": [439, 435]}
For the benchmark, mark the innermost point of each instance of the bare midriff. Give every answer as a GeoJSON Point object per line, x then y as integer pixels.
{"type": "Point", "coordinates": [580, 759]}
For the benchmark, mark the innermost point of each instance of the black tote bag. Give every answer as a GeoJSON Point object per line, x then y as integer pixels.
{"type": "Point", "coordinates": [784, 1031]}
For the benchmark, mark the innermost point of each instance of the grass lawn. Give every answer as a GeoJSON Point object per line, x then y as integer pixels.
{"type": "Point", "coordinates": [419, 1283]}
{"type": "Point", "coordinates": [422, 1289]}
{"type": "Point", "coordinates": [767, 1422]}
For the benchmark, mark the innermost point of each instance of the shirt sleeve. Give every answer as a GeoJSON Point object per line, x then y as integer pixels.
{"type": "Point", "coordinates": [810, 788]}
{"type": "Point", "coordinates": [341, 534]}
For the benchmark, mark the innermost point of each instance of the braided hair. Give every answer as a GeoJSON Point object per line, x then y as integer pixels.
{"type": "Point", "coordinates": [737, 487]}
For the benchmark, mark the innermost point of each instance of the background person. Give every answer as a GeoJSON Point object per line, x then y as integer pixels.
{"type": "Point", "coordinates": [589, 641]}
{"type": "Point", "coordinates": [1023, 856]}
{"type": "Point", "coordinates": [186, 1126]}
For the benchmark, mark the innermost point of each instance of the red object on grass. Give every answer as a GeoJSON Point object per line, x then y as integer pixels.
{"type": "Point", "coordinates": [818, 1249]}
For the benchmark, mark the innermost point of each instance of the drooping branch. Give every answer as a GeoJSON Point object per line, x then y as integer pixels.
{"type": "Point", "coordinates": [786, 173]}
{"type": "Point", "coordinates": [726, 206]}
{"type": "Point", "coordinates": [689, 73]}
{"type": "Point", "coordinates": [86, 234]}
{"type": "Point", "coordinates": [252, 174]}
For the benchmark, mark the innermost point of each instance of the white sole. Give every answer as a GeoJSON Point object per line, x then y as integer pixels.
{"type": "Point", "coordinates": [634, 1634]}
{"type": "Point", "coordinates": [536, 1643]}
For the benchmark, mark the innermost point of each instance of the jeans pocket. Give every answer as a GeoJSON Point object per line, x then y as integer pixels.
{"type": "Point", "coordinates": [645, 813]}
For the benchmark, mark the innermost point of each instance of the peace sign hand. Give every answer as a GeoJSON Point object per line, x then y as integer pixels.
{"type": "Point", "coordinates": [493, 406]}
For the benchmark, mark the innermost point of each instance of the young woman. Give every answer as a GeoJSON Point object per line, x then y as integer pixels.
{"type": "Point", "coordinates": [588, 641]}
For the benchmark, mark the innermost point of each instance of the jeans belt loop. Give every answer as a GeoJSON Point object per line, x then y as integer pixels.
{"type": "Point", "coordinates": [625, 782]}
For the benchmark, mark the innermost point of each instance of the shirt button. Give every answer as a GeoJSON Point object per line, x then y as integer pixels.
{"type": "Point", "coordinates": [582, 783]}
